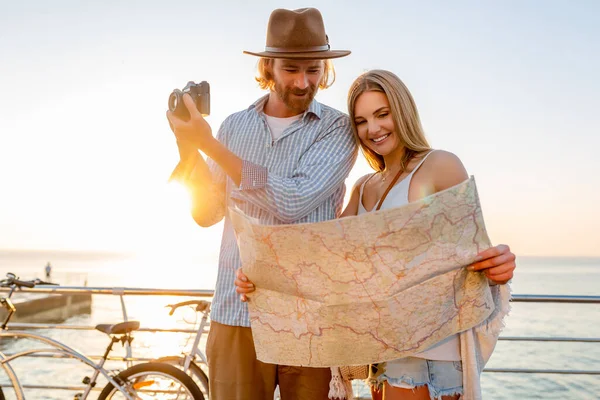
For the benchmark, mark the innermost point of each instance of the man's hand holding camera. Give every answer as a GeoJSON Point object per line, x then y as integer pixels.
{"type": "Point", "coordinates": [195, 131]}
{"type": "Point", "coordinates": [186, 110]}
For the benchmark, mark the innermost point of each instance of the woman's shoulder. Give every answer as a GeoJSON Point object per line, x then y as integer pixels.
{"type": "Point", "coordinates": [360, 181]}
{"type": "Point", "coordinates": [437, 159]}
{"type": "Point", "coordinates": [443, 156]}
{"type": "Point", "coordinates": [446, 168]}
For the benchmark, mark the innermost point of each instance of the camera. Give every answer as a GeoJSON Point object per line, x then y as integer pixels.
{"type": "Point", "coordinates": [200, 93]}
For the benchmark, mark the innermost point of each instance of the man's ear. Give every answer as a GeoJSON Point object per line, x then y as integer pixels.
{"type": "Point", "coordinates": [269, 64]}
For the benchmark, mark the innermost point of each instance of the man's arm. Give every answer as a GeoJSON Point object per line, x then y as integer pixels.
{"type": "Point", "coordinates": [207, 187]}
{"type": "Point", "coordinates": [207, 184]}
{"type": "Point", "coordinates": [206, 181]}
{"type": "Point", "coordinates": [198, 133]}
{"type": "Point", "coordinates": [321, 171]}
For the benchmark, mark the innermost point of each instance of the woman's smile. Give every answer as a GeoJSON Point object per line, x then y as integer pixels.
{"type": "Point", "coordinates": [380, 139]}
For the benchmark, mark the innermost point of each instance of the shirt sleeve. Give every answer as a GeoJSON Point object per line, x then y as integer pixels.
{"type": "Point", "coordinates": [253, 176]}
{"type": "Point", "coordinates": [322, 169]}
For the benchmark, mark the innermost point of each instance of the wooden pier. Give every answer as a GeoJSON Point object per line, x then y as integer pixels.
{"type": "Point", "coordinates": [33, 307]}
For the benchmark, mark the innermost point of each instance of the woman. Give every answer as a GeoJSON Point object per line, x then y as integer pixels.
{"type": "Point", "coordinates": [388, 130]}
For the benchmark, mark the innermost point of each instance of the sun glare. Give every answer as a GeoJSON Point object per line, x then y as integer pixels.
{"type": "Point", "coordinates": [152, 313]}
{"type": "Point", "coordinates": [162, 224]}
{"type": "Point", "coordinates": [178, 195]}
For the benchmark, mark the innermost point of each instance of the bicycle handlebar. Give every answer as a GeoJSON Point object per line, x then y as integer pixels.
{"type": "Point", "coordinates": [12, 279]}
{"type": "Point", "coordinates": [41, 282]}
{"type": "Point", "coordinates": [201, 305]}
{"type": "Point", "coordinates": [20, 283]}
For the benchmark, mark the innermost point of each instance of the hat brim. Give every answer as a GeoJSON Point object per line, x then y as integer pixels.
{"type": "Point", "coordinates": [315, 55]}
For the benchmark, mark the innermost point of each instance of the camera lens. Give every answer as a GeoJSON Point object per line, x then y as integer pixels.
{"type": "Point", "coordinates": [174, 99]}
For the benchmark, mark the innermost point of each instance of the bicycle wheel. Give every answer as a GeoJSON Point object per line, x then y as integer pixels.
{"type": "Point", "coordinates": [197, 374]}
{"type": "Point", "coordinates": [153, 381]}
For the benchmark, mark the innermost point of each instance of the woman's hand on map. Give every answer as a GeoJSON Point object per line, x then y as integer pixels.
{"type": "Point", "coordinates": [497, 263]}
{"type": "Point", "coordinates": [243, 284]}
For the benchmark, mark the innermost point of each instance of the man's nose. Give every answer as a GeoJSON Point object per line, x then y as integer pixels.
{"type": "Point", "coordinates": [302, 81]}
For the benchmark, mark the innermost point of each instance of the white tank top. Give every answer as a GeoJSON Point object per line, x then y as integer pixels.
{"type": "Point", "coordinates": [449, 348]}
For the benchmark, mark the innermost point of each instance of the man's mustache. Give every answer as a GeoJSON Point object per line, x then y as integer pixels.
{"type": "Point", "coordinates": [303, 92]}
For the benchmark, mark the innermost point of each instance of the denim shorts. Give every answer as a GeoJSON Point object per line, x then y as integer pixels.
{"type": "Point", "coordinates": [443, 378]}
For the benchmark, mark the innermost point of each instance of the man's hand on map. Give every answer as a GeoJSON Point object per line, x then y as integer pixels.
{"type": "Point", "coordinates": [243, 284]}
{"type": "Point", "coordinates": [498, 264]}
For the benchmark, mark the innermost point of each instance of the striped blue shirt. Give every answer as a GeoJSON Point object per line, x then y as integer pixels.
{"type": "Point", "coordinates": [297, 178]}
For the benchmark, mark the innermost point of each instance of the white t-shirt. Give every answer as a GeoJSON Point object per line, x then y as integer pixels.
{"type": "Point", "coordinates": [278, 125]}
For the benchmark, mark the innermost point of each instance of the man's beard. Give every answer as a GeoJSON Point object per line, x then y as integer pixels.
{"type": "Point", "coordinates": [296, 104]}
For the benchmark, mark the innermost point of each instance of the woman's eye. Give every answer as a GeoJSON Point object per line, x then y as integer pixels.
{"type": "Point", "coordinates": [359, 122]}
{"type": "Point", "coordinates": [383, 115]}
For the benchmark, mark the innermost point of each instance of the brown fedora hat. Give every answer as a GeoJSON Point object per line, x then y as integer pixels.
{"type": "Point", "coordinates": [298, 34]}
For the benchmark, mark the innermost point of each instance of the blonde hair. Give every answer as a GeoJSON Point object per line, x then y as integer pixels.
{"type": "Point", "coordinates": [403, 110]}
{"type": "Point", "coordinates": [265, 78]}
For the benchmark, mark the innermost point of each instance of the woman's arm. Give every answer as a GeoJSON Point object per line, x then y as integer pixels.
{"type": "Point", "coordinates": [352, 206]}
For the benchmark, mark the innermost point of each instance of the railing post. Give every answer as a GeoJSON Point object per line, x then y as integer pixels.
{"type": "Point", "coordinates": [123, 308]}
{"type": "Point", "coordinates": [128, 352]}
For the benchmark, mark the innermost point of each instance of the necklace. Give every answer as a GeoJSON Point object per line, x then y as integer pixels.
{"type": "Point", "coordinates": [383, 176]}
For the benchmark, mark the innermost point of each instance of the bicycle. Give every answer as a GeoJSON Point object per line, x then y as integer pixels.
{"type": "Point", "coordinates": [139, 382]}
{"type": "Point", "coordinates": [188, 361]}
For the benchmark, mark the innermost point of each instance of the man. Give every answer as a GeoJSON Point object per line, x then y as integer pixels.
{"type": "Point", "coordinates": [48, 270]}
{"type": "Point", "coordinates": [282, 160]}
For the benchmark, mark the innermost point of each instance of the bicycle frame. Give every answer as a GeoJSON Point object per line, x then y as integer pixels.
{"type": "Point", "coordinates": [58, 348]}
{"type": "Point", "coordinates": [195, 350]}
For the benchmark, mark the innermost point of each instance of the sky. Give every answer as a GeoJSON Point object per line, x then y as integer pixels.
{"type": "Point", "coordinates": [510, 87]}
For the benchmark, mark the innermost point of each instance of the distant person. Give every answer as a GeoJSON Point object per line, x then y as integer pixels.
{"type": "Point", "coordinates": [284, 159]}
{"type": "Point", "coordinates": [48, 270]}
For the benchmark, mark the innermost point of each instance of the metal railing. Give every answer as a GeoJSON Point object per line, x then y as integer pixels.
{"type": "Point", "coordinates": [126, 291]}
{"type": "Point", "coordinates": [116, 291]}
{"type": "Point", "coordinates": [529, 298]}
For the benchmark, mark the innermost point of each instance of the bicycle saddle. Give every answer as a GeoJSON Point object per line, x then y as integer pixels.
{"type": "Point", "coordinates": [118, 329]}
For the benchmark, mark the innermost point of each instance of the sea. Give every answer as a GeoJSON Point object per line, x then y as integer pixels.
{"type": "Point", "coordinates": [534, 275]}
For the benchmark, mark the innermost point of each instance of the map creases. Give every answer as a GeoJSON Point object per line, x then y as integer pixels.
{"type": "Point", "coordinates": [368, 288]}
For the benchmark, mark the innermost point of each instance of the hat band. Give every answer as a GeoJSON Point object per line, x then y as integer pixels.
{"type": "Point", "coordinates": [296, 49]}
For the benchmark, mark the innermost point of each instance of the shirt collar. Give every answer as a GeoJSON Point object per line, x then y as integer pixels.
{"type": "Point", "coordinates": [313, 108]}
